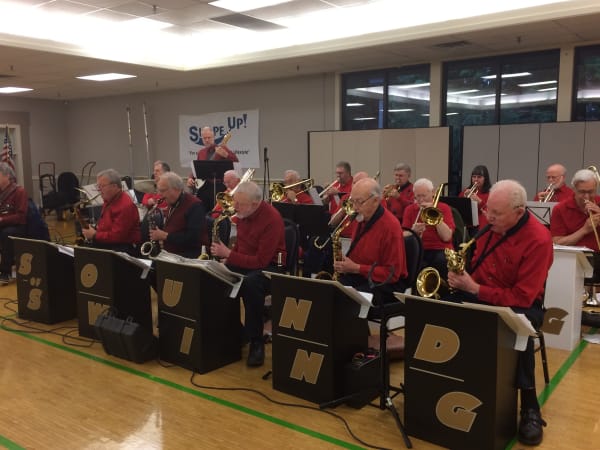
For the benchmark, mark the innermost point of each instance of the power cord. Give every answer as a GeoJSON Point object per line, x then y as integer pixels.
{"type": "Point", "coordinates": [292, 405]}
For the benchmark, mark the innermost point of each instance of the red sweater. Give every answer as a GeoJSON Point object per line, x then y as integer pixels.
{"type": "Point", "coordinates": [567, 218]}
{"type": "Point", "coordinates": [301, 198]}
{"type": "Point", "coordinates": [13, 208]}
{"type": "Point", "coordinates": [560, 195]}
{"type": "Point", "coordinates": [260, 238]}
{"type": "Point", "coordinates": [382, 243]}
{"type": "Point", "coordinates": [119, 222]}
{"type": "Point", "coordinates": [514, 273]}
{"type": "Point", "coordinates": [430, 238]}
{"type": "Point", "coordinates": [205, 153]}
{"type": "Point", "coordinates": [335, 201]}
{"type": "Point", "coordinates": [404, 200]}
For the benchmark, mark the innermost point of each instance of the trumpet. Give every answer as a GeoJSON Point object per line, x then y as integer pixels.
{"type": "Point", "coordinates": [432, 215]}
{"type": "Point", "coordinates": [389, 188]}
{"type": "Point", "coordinates": [473, 190]}
{"type": "Point", "coordinates": [323, 193]}
{"type": "Point", "coordinates": [548, 193]}
{"type": "Point", "coordinates": [277, 190]}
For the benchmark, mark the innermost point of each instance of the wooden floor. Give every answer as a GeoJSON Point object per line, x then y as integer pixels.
{"type": "Point", "coordinates": [61, 393]}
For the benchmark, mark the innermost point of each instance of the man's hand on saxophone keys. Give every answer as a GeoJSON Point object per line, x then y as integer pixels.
{"type": "Point", "coordinates": [158, 235]}
{"type": "Point", "coordinates": [219, 250]}
{"type": "Point", "coordinates": [346, 265]}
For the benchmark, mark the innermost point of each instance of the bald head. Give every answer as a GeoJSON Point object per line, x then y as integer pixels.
{"type": "Point", "coordinates": [555, 174]}
{"type": "Point", "coordinates": [506, 205]}
{"type": "Point", "coordinates": [359, 176]}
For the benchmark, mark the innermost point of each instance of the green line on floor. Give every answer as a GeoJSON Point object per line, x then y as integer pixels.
{"type": "Point", "coordinates": [10, 445]}
{"type": "Point", "coordinates": [189, 390]}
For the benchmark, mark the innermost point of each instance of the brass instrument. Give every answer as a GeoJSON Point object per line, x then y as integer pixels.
{"type": "Point", "coordinates": [198, 183]}
{"type": "Point", "coordinates": [597, 174]}
{"type": "Point", "coordinates": [348, 210]}
{"type": "Point", "coordinates": [388, 189]}
{"type": "Point", "coordinates": [432, 215]}
{"type": "Point", "coordinates": [336, 242]}
{"type": "Point", "coordinates": [150, 247]}
{"type": "Point", "coordinates": [323, 193]}
{"type": "Point", "coordinates": [473, 190]}
{"type": "Point", "coordinates": [277, 190]}
{"type": "Point", "coordinates": [376, 177]}
{"type": "Point", "coordinates": [82, 222]}
{"type": "Point", "coordinates": [429, 281]}
{"type": "Point", "coordinates": [548, 193]}
{"type": "Point", "coordinates": [225, 199]}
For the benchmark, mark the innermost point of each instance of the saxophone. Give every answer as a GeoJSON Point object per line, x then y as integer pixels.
{"type": "Point", "coordinates": [336, 244]}
{"type": "Point", "coordinates": [150, 247]}
{"type": "Point", "coordinates": [226, 214]}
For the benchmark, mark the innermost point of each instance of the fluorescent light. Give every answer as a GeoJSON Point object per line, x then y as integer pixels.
{"type": "Point", "coordinates": [485, 96]}
{"type": "Point", "coordinates": [401, 110]}
{"type": "Point", "coordinates": [12, 90]}
{"type": "Point", "coordinates": [468, 91]}
{"type": "Point", "coordinates": [410, 86]}
{"type": "Point", "coordinates": [424, 115]}
{"type": "Point", "coordinates": [537, 83]}
{"type": "Point", "coordinates": [144, 24]}
{"type": "Point", "coordinates": [355, 104]}
{"type": "Point", "coordinates": [547, 89]}
{"type": "Point", "coordinates": [245, 5]}
{"type": "Point", "coordinates": [106, 77]}
{"type": "Point", "coordinates": [508, 75]}
{"type": "Point", "coordinates": [452, 114]}
{"type": "Point", "coordinates": [364, 118]}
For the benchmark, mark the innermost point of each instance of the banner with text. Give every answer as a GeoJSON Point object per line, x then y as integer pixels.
{"type": "Point", "coordinates": [244, 135]}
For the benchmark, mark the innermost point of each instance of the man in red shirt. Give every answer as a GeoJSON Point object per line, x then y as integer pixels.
{"type": "Point", "coordinates": [399, 195]}
{"type": "Point", "coordinates": [570, 223]}
{"type": "Point", "coordinates": [376, 253]}
{"type": "Point", "coordinates": [260, 245]}
{"type": "Point", "coordinates": [555, 176]}
{"type": "Point", "coordinates": [13, 218]}
{"type": "Point", "coordinates": [509, 268]}
{"type": "Point", "coordinates": [119, 225]}
{"type": "Point", "coordinates": [435, 238]}
{"type": "Point", "coordinates": [150, 198]}
{"type": "Point", "coordinates": [340, 187]}
{"type": "Point", "coordinates": [295, 194]}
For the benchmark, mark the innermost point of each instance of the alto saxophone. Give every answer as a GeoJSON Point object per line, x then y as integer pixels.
{"type": "Point", "coordinates": [225, 214]}
{"type": "Point", "coordinates": [336, 245]}
{"type": "Point", "coordinates": [150, 247]}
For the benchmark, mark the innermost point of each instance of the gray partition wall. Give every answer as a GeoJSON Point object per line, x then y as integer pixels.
{"type": "Point", "coordinates": [518, 155]}
{"type": "Point", "coordinates": [563, 143]}
{"type": "Point", "coordinates": [480, 147]}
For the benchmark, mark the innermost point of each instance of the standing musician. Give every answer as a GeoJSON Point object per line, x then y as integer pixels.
{"type": "Point", "coordinates": [573, 220]}
{"type": "Point", "coordinates": [479, 190]}
{"type": "Point", "coordinates": [119, 225]}
{"type": "Point", "coordinates": [399, 195]}
{"type": "Point", "coordinates": [295, 194]}
{"type": "Point", "coordinates": [149, 199]}
{"type": "Point", "coordinates": [260, 246]}
{"type": "Point", "coordinates": [377, 250]}
{"type": "Point", "coordinates": [555, 176]}
{"type": "Point", "coordinates": [435, 238]}
{"type": "Point", "coordinates": [333, 193]}
{"type": "Point", "coordinates": [509, 268]}
{"type": "Point", "coordinates": [13, 218]}
{"type": "Point", "coordinates": [184, 220]}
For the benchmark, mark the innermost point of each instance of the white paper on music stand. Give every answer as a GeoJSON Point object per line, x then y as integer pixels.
{"type": "Point", "coordinates": [143, 264]}
{"type": "Point", "coordinates": [193, 168]}
{"type": "Point", "coordinates": [65, 250]}
{"type": "Point", "coordinates": [474, 213]}
{"type": "Point", "coordinates": [91, 191]}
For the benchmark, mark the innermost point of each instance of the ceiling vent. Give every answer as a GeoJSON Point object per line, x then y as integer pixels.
{"type": "Point", "coordinates": [452, 44]}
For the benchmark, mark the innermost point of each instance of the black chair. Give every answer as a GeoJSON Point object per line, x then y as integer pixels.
{"type": "Point", "coordinates": [542, 343]}
{"type": "Point", "coordinates": [460, 231]}
{"type": "Point", "coordinates": [292, 239]}
{"type": "Point", "coordinates": [67, 191]}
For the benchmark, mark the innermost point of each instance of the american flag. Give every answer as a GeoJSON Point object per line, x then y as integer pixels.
{"type": "Point", "coordinates": [7, 152]}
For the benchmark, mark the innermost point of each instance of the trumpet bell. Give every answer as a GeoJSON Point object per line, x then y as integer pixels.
{"type": "Point", "coordinates": [429, 283]}
{"type": "Point", "coordinates": [277, 192]}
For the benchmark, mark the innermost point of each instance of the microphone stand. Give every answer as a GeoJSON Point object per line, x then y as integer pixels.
{"type": "Point", "coordinates": [267, 177]}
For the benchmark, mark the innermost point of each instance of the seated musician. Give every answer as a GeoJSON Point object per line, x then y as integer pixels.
{"type": "Point", "coordinates": [399, 195]}
{"type": "Point", "coordinates": [184, 221]}
{"type": "Point", "coordinates": [376, 255]}
{"type": "Point", "coordinates": [231, 179]}
{"type": "Point", "coordinates": [119, 225]}
{"type": "Point", "coordinates": [573, 220]}
{"type": "Point", "coordinates": [555, 177]}
{"type": "Point", "coordinates": [332, 194]}
{"type": "Point", "coordinates": [149, 199]}
{"type": "Point", "coordinates": [435, 237]}
{"type": "Point", "coordinates": [13, 218]}
{"type": "Point", "coordinates": [295, 194]}
{"type": "Point", "coordinates": [260, 246]}
{"type": "Point", "coordinates": [479, 190]}
{"type": "Point", "coordinates": [509, 268]}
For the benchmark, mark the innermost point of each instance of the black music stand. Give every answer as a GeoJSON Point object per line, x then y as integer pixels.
{"type": "Point", "coordinates": [110, 280]}
{"type": "Point", "coordinates": [311, 219]}
{"type": "Point", "coordinates": [466, 207]}
{"type": "Point", "coordinates": [212, 171]}
{"type": "Point", "coordinates": [45, 281]}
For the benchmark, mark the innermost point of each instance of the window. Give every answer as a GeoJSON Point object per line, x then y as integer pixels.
{"type": "Point", "coordinates": [363, 100]}
{"type": "Point", "coordinates": [408, 97]}
{"type": "Point", "coordinates": [587, 83]}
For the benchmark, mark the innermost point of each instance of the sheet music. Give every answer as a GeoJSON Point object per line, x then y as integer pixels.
{"type": "Point", "coordinates": [66, 250]}
{"type": "Point", "coordinates": [143, 264]}
{"type": "Point", "coordinates": [572, 248]}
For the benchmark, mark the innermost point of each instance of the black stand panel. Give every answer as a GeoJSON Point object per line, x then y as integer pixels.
{"type": "Point", "coordinates": [105, 279]}
{"type": "Point", "coordinates": [199, 324]}
{"type": "Point", "coordinates": [316, 332]}
{"type": "Point", "coordinates": [459, 376]}
{"type": "Point", "coordinates": [45, 282]}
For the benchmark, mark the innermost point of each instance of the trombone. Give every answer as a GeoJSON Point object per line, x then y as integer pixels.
{"type": "Point", "coordinates": [225, 199]}
{"type": "Point", "coordinates": [277, 190]}
{"type": "Point", "coordinates": [323, 193]}
{"type": "Point", "coordinates": [432, 215]}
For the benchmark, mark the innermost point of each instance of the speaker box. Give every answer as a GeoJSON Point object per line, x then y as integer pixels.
{"type": "Point", "coordinates": [125, 339]}
{"type": "Point", "coordinates": [362, 378]}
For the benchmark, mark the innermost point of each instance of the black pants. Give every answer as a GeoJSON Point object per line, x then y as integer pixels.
{"type": "Point", "coordinates": [7, 249]}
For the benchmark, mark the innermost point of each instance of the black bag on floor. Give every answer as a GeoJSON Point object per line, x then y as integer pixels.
{"type": "Point", "coordinates": [125, 338]}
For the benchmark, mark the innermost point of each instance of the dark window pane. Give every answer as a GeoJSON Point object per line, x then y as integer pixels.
{"type": "Point", "coordinates": [529, 88]}
{"type": "Point", "coordinates": [408, 97]}
{"type": "Point", "coordinates": [363, 100]}
{"type": "Point", "coordinates": [587, 83]}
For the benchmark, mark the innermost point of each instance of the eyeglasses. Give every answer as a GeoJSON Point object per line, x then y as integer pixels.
{"type": "Point", "coordinates": [496, 214]}
{"type": "Point", "coordinates": [359, 203]}
{"type": "Point", "coordinates": [99, 187]}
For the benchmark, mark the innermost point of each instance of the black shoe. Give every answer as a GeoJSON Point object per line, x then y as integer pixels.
{"type": "Point", "coordinates": [530, 427]}
{"type": "Point", "coordinates": [256, 355]}
{"type": "Point", "coordinates": [4, 278]}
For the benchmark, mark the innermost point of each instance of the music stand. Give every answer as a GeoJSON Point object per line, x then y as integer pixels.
{"type": "Point", "coordinates": [311, 219]}
{"type": "Point", "coordinates": [213, 171]}
{"type": "Point", "coordinates": [542, 211]}
{"type": "Point", "coordinates": [466, 207]}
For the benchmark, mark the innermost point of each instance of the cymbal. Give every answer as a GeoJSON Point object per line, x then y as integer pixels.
{"type": "Point", "coordinates": [146, 186]}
